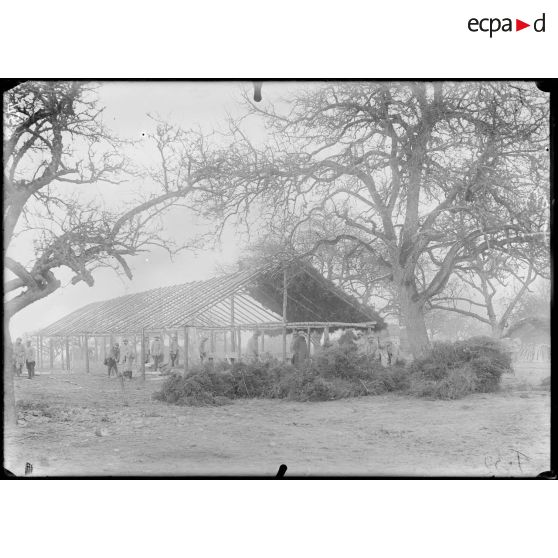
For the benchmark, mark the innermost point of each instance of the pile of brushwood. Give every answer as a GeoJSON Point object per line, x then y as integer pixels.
{"type": "Point", "coordinates": [333, 373]}
{"type": "Point", "coordinates": [448, 371]}
{"type": "Point", "coordinates": [453, 370]}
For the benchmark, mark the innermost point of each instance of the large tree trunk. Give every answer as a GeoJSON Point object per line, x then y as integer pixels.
{"type": "Point", "coordinates": [497, 330]}
{"type": "Point", "coordinates": [12, 307]}
{"type": "Point", "coordinates": [10, 416]}
{"type": "Point", "coordinates": [412, 314]}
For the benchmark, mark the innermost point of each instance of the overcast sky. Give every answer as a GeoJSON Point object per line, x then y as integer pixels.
{"type": "Point", "coordinates": [195, 104]}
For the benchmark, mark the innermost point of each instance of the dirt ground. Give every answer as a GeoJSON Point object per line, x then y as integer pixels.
{"type": "Point", "coordinates": [78, 424]}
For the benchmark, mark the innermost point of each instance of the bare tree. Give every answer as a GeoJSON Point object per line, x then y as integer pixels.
{"type": "Point", "coordinates": [55, 146]}
{"type": "Point", "coordinates": [416, 173]}
{"type": "Point", "coordinates": [477, 290]}
{"type": "Point", "coordinates": [536, 303]}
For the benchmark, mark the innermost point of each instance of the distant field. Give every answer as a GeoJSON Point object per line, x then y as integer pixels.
{"type": "Point", "coordinates": [77, 424]}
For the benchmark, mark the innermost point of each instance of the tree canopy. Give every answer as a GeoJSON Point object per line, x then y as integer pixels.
{"type": "Point", "coordinates": [423, 177]}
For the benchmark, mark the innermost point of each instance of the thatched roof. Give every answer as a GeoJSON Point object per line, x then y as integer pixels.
{"type": "Point", "coordinates": [255, 294]}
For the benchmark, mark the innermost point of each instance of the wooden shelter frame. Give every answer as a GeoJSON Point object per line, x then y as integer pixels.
{"type": "Point", "coordinates": [240, 306]}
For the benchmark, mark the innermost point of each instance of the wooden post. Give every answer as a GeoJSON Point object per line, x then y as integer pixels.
{"type": "Point", "coordinates": [239, 345]}
{"type": "Point", "coordinates": [142, 354]}
{"type": "Point", "coordinates": [175, 335]}
{"type": "Point", "coordinates": [67, 354]}
{"type": "Point", "coordinates": [233, 340]}
{"type": "Point", "coordinates": [38, 351]}
{"type": "Point", "coordinates": [104, 348]}
{"type": "Point", "coordinates": [284, 315]}
{"type": "Point", "coordinates": [50, 353]}
{"type": "Point", "coordinates": [186, 347]}
{"type": "Point", "coordinates": [96, 349]}
{"type": "Point", "coordinates": [263, 345]}
{"type": "Point", "coordinates": [309, 343]}
{"type": "Point", "coordinates": [86, 343]}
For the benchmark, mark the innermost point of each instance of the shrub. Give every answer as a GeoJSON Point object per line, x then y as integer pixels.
{"type": "Point", "coordinates": [204, 387]}
{"type": "Point", "coordinates": [334, 373]}
{"type": "Point", "coordinates": [453, 370]}
{"type": "Point", "coordinates": [458, 383]}
{"type": "Point", "coordinates": [340, 362]}
{"type": "Point", "coordinates": [448, 371]}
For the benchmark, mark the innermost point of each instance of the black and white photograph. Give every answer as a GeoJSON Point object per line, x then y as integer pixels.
{"type": "Point", "coordinates": [330, 278]}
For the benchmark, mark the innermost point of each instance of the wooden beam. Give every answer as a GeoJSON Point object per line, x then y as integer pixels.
{"type": "Point", "coordinates": [67, 354]}
{"type": "Point", "coordinates": [50, 353]}
{"type": "Point", "coordinates": [86, 343]}
{"type": "Point", "coordinates": [186, 347]}
{"type": "Point", "coordinates": [233, 341]}
{"type": "Point", "coordinates": [294, 325]}
{"type": "Point", "coordinates": [38, 351]}
{"type": "Point", "coordinates": [239, 344]}
{"type": "Point", "coordinates": [142, 354]}
{"type": "Point", "coordinates": [309, 343]}
{"type": "Point", "coordinates": [177, 348]}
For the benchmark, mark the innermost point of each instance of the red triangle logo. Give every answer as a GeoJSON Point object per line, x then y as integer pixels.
{"type": "Point", "coordinates": [519, 25]}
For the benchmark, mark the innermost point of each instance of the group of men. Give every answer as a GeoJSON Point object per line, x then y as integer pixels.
{"type": "Point", "coordinates": [299, 348]}
{"type": "Point", "coordinates": [124, 355]}
{"type": "Point", "coordinates": [384, 350]}
{"type": "Point", "coordinates": [156, 352]}
{"type": "Point", "coordinates": [127, 355]}
{"type": "Point", "coordinates": [24, 355]}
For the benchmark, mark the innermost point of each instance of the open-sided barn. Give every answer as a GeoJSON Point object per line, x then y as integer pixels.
{"type": "Point", "coordinates": [534, 335]}
{"type": "Point", "coordinates": [274, 299]}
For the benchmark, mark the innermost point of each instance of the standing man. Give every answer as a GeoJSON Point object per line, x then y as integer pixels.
{"type": "Point", "coordinates": [128, 356]}
{"type": "Point", "coordinates": [384, 348]}
{"type": "Point", "coordinates": [299, 348]}
{"type": "Point", "coordinates": [203, 348]}
{"type": "Point", "coordinates": [30, 360]}
{"type": "Point", "coordinates": [146, 346]}
{"type": "Point", "coordinates": [173, 351]}
{"type": "Point", "coordinates": [394, 352]}
{"type": "Point", "coordinates": [157, 352]}
{"type": "Point", "coordinates": [112, 359]}
{"type": "Point", "coordinates": [367, 345]}
{"type": "Point", "coordinates": [19, 356]}
{"type": "Point", "coordinates": [348, 339]}
{"type": "Point", "coordinates": [252, 347]}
